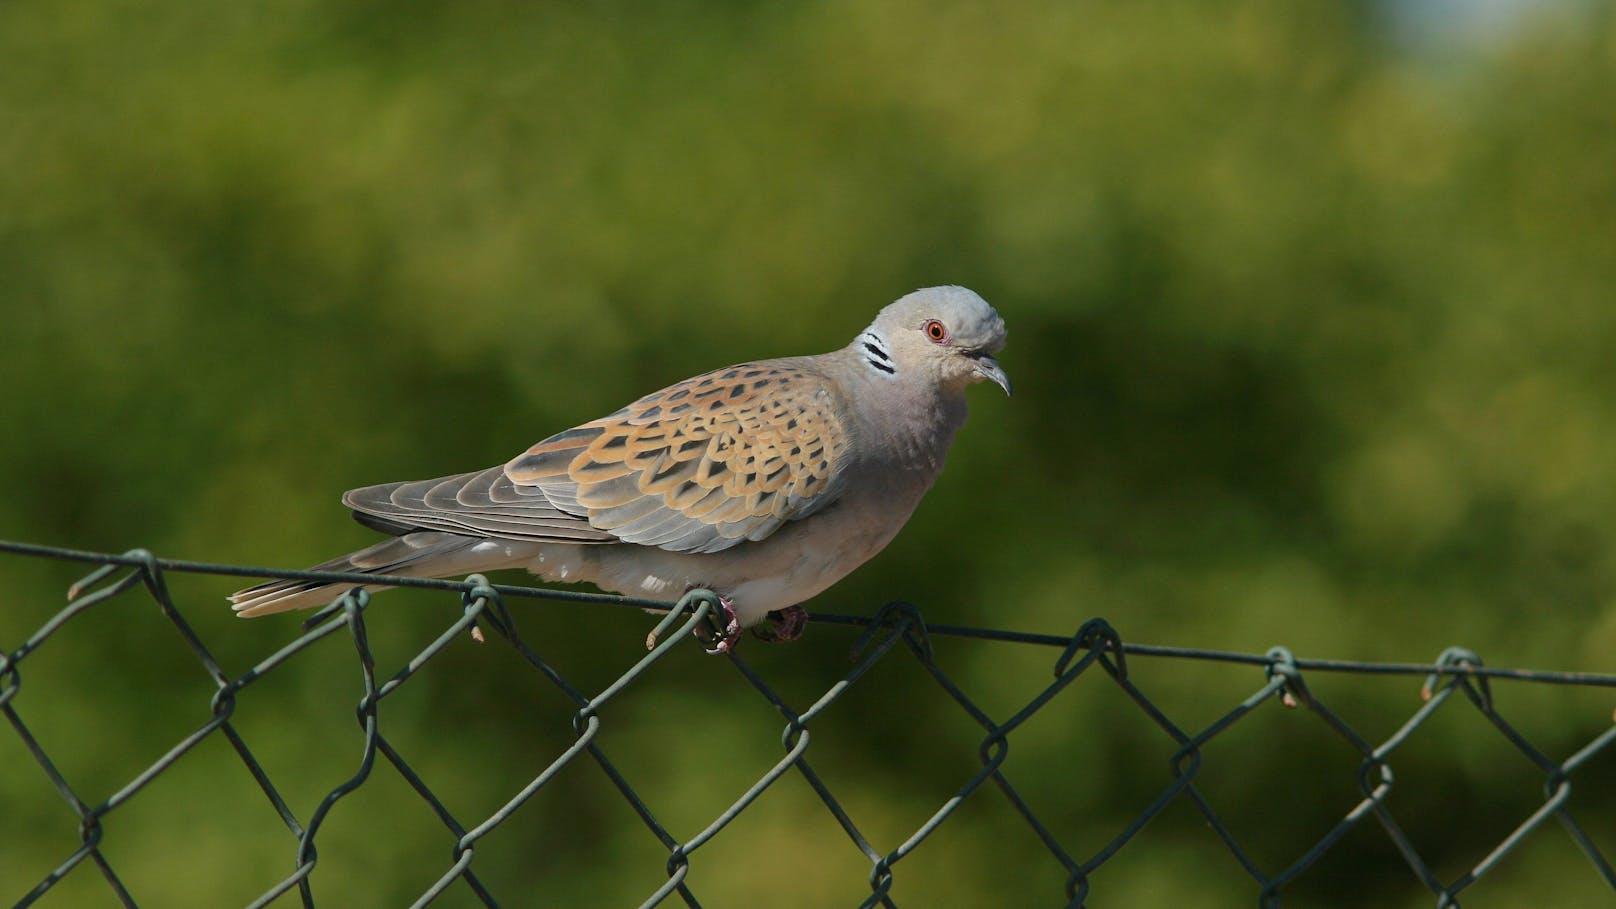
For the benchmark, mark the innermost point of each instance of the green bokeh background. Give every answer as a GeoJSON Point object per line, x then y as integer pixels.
{"type": "Point", "coordinates": [1312, 330]}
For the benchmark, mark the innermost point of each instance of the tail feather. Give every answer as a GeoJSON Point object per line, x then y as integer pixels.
{"type": "Point", "coordinates": [425, 554]}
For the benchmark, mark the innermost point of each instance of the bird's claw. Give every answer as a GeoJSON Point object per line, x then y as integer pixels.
{"type": "Point", "coordinates": [732, 628]}
{"type": "Point", "coordinates": [784, 625]}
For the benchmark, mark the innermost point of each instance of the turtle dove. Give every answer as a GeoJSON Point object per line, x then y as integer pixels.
{"type": "Point", "coordinates": [766, 482]}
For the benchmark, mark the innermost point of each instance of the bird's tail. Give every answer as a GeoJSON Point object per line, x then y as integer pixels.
{"type": "Point", "coordinates": [423, 554]}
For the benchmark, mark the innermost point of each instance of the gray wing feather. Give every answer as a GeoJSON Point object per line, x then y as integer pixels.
{"type": "Point", "coordinates": [483, 503]}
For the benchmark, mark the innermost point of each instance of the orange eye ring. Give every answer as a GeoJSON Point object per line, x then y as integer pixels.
{"type": "Point", "coordinates": [936, 331]}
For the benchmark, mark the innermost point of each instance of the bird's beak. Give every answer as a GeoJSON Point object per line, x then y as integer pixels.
{"type": "Point", "coordinates": [989, 368]}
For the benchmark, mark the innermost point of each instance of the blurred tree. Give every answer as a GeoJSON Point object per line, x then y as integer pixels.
{"type": "Point", "coordinates": [1310, 320]}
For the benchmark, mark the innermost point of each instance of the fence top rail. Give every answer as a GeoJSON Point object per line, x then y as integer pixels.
{"type": "Point", "coordinates": [139, 558]}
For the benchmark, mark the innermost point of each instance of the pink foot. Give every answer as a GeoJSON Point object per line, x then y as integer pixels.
{"type": "Point", "coordinates": [732, 628]}
{"type": "Point", "coordinates": [784, 625]}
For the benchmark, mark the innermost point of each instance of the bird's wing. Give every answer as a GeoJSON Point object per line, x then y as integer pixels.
{"type": "Point", "coordinates": [696, 467]}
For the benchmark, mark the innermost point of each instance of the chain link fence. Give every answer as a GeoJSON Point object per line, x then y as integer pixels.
{"type": "Point", "coordinates": [1095, 655]}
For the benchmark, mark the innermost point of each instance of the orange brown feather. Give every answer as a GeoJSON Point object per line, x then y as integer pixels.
{"type": "Point", "coordinates": [701, 465]}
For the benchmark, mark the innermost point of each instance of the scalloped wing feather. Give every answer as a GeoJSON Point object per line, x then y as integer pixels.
{"type": "Point", "coordinates": [702, 465]}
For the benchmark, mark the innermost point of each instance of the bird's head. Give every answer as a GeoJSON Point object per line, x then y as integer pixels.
{"type": "Point", "coordinates": [947, 334]}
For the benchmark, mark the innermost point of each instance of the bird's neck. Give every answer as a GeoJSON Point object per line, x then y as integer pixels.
{"type": "Point", "coordinates": [917, 436]}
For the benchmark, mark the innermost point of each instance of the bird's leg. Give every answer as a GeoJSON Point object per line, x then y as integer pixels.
{"type": "Point", "coordinates": [784, 625]}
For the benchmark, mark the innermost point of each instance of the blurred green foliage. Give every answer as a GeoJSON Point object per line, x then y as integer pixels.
{"type": "Point", "coordinates": [1312, 331]}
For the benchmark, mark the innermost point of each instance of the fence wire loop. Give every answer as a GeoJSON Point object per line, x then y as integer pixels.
{"type": "Point", "coordinates": [702, 608]}
{"type": "Point", "coordinates": [700, 615]}
{"type": "Point", "coordinates": [1282, 668]}
{"type": "Point", "coordinates": [479, 599]}
{"type": "Point", "coordinates": [1097, 637]}
{"type": "Point", "coordinates": [1459, 663]}
{"type": "Point", "coordinates": [904, 622]}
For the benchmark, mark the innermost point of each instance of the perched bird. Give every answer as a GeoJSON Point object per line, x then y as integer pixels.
{"type": "Point", "coordinates": [765, 482]}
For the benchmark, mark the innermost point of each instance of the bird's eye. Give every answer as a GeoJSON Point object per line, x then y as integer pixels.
{"type": "Point", "coordinates": [936, 331]}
